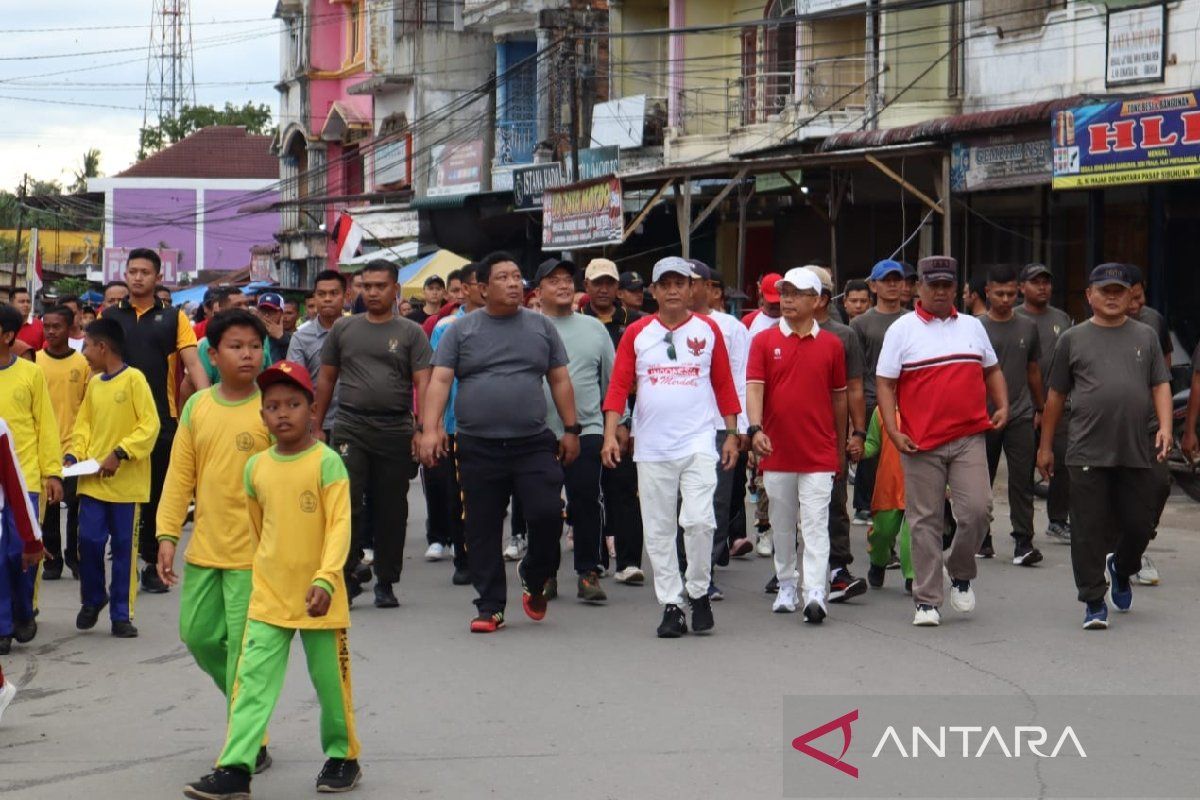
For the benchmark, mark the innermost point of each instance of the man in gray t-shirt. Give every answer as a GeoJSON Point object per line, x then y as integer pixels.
{"type": "Point", "coordinates": [1015, 340]}
{"type": "Point", "coordinates": [500, 354]}
{"type": "Point", "coordinates": [1112, 369]}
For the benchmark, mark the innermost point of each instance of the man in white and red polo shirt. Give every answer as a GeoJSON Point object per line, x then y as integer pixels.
{"type": "Point", "coordinates": [678, 364]}
{"type": "Point", "coordinates": [940, 368]}
{"type": "Point", "coordinates": [796, 394]}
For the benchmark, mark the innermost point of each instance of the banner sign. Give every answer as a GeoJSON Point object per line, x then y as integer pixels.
{"type": "Point", "coordinates": [1140, 140]}
{"type": "Point", "coordinates": [596, 162]}
{"type": "Point", "coordinates": [1136, 50]}
{"type": "Point", "coordinates": [457, 168]}
{"type": "Point", "coordinates": [1000, 162]}
{"type": "Point", "coordinates": [392, 162]}
{"type": "Point", "coordinates": [528, 184]}
{"type": "Point", "coordinates": [583, 215]}
{"type": "Point", "coordinates": [115, 258]}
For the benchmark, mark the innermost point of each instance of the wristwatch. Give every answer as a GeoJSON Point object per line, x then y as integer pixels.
{"type": "Point", "coordinates": [121, 454]}
{"type": "Point", "coordinates": [730, 432]}
{"type": "Point", "coordinates": [859, 434]}
{"type": "Point", "coordinates": [575, 429]}
{"type": "Point", "coordinates": [753, 429]}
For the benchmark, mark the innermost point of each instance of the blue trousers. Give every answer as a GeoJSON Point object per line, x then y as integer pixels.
{"type": "Point", "coordinates": [99, 523]}
{"type": "Point", "coordinates": [18, 587]}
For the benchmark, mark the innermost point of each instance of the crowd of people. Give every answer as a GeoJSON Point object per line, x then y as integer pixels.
{"type": "Point", "coordinates": [638, 421]}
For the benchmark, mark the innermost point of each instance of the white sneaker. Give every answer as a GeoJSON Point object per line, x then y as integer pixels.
{"type": "Point", "coordinates": [631, 575]}
{"type": "Point", "coordinates": [7, 692]}
{"type": "Point", "coordinates": [927, 617]}
{"type": "Point", "coordinates": [765, 547]}
{"type": "Point", "coordinates": [436, 552]}
{"type": "Point", "coordinates": [368, 557]}
{"type": "Point", "coordinates": [786, 599]}
{"type": "Point", "coordinates": [1148, 574]}
{"type": "Point", "coordinates": [814, 607]}
{"type": "Point", "coordinates": [962, 600]}
{"type": "Point", "coordinates": [516, 549]}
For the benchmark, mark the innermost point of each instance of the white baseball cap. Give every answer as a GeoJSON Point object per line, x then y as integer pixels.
{"type": "Point", "coordinates": [802, 279]}
{"type": "Point", "coordinates": [669, 265]}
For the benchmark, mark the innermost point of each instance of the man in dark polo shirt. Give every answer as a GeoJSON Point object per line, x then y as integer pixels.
{"type": "Point", "coordinates": [376, 360]}
{"type": "Point", "coordinates": [500, 356]}
{"type": "Point", "coordinates": [1112, 370]}
{"type": "Point", "coordinates": [159, 340]}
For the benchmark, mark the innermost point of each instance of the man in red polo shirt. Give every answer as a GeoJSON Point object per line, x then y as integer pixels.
{"type": "Point", "coordinates": [796, 401]}
{"type": "Point", "coordinates": [939, 367]}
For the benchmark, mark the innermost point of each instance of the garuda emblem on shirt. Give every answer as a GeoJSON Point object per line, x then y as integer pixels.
{"type": "Point", "coordinates": [696, 346]}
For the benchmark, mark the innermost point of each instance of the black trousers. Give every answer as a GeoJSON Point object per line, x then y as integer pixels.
{"type": "Point", "coordinates": [1016, 441]}
{"type": "Point", "coordinates": [1058, 501]}
{"type": "Point", "coordinates": [492, 471]}
{"type": "Point", "coordinates": [443, 503]}
{"type": "Point", "coordinates": [1162, 489]}
{"type": "Point", "coordinates": [584, 506]}
{"type": "Point", "coordinates": [52, 533]}
{"type": "Point", "coordinates": [160, 459]}
{"type": "Point", "coordinates": [380, 465]}
{"type": "Point", "coordinates": [839, 527]}
{"type": "Point", "coordinates": [622, 512]}
{"type": "Point", "coordinates": [1112, 511]}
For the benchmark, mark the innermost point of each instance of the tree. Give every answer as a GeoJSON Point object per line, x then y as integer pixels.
{"type": "Point", "coordinates": [90, 169]}
{"type": "Point", "coordinates": [254, 118]}
{"type": "Point", "coordinates": [70, 286]}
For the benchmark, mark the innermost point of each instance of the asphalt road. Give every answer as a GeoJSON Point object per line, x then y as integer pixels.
{"type": "Point", "coordinates": [587, 703]}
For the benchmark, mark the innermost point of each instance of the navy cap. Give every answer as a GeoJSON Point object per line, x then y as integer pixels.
{"type": "Point", "coordinates": [1110, 275]}
{"type": "Point", "coordinates": [700, 269]}
{"type": "Point", "coordinates": [632, 282]}
{"type": "Point", "coordinates": [1134, 273]}
{"type": "Point", "coordinates": [885, 268]}
{"type": "Point", "coordinates": [1031, 271]}
{"type": "Point", "coordinates": [271, 300]}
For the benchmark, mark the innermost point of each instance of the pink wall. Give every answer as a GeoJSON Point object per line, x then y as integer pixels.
{"type": "Point", "coordinates": [322, 94]}
{"type": "Point", "coordinates": [327, 42]}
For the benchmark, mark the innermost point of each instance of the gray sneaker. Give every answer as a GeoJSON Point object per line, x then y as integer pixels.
{"type": "Point", "coordinates": [1059, 531]}
{"type": "Point", "coordinates": [589, 588]}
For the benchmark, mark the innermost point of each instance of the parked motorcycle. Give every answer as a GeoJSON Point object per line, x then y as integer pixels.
{"type": "Point", "coordinates": [1183, 471]}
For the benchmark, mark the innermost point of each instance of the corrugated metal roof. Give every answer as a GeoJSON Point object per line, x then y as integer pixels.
{"type": "Point", "coordinates": [943, 127]}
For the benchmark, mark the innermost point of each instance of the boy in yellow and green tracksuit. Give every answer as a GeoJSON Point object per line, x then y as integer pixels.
{"type": "Point", "coordinates": [298, 498]}
{"type": "Point", "coordinates": [117, 426]}
{"type": "Point", "coordinates": [887, 508]}
{"type": "Point", "coordinates": [220, 428]}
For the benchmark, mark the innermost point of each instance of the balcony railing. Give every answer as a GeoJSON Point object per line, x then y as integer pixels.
{"type": "Point", "coordinates": [515, 140]}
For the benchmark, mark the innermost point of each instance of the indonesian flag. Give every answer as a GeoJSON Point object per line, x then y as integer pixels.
{"type": "Point", "coordinates": [33, 268]}
{"type": "Point", "coordinates": [15, 496]}
{"type": "Point", "coordinates": [348, 235]}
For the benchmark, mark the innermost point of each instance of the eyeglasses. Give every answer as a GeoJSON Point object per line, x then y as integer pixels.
{"type": "Point", "coordinates": [670, 340]}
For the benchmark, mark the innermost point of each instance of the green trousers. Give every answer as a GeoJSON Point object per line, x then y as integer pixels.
{"type": "Point", "coordinates": [886, 526]}
{"type": "Point", "coordinates": [260, 679]}
{"type": "Point", "coordinates": [212, 620]}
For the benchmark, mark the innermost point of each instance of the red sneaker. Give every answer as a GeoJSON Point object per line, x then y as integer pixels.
{"type": "Point", "coordinates": [488, 623]}
{"type": "Point", "coordinates": [535, 607]}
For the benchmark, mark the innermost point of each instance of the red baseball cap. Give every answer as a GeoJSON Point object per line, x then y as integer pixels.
{"type": "Point", "coordinates": [286, 372]}
{"type": "Point", "coordinates": [769, 291]}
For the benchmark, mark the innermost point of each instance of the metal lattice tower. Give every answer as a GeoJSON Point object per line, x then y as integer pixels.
{"type": "Point", "coordinates": [170, 80]}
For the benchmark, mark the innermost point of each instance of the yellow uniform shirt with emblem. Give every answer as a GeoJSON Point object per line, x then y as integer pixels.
{"type": "Point", "coordinates": [118, 411]}
{"type": "Point", "coordinates": [216, 438]}
{"type": "Point", "coordinates": [66, 378]}
{"type": "Point", "coordinates": [300, 518]}
{"type": "Point", "coordinates": [25, 404]}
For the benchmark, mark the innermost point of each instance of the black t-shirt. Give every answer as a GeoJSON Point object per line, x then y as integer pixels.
{"type": "Point", "coordinates": [616, 324]}
{"type": "Point", "coordinates": [418, 315]}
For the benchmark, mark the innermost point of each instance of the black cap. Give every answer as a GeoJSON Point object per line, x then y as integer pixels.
{"type": "Point", "coordinates": [702, 270]}
{"type": "Point", "coordinates": [551, 264]}
{"type": "Point", "coordinates": [937, 268]}
{"type": "Point", "coordinates": [434, 279]}
{"type": "Point", "coordinates": [1110, 275]}
{"type": "Point", "coordinates": [631, 282]}
{"type": "Point", "coordinates": [1031, 271]}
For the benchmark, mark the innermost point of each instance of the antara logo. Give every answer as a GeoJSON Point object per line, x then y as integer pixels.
{"type": "Point", "coordinates": [1145, 133]}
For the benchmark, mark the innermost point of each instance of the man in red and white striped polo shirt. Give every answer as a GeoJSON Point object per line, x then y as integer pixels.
{"type": "Point", "coordinates": [939, 367]}
{"type": "Point", "coordinates": [678, 364]}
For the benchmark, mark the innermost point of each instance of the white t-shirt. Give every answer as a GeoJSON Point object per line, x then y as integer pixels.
{"type": "Point", "coordinates": [677, 398]}
{"type": "Point", "coordinates": [737, 343]}
{"type": "Point", "coordinates": [76, 344]}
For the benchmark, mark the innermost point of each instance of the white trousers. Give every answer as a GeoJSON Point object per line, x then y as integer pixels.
{"type": "Point", "coordinates": [661, 485]}
{"type": "Point", "coordinates": [809, 493]}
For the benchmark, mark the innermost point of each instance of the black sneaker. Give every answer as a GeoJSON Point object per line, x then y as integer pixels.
{"type": "Point", "coordinates": [339, 775]}
{"type": "Point", "coordinates": [550, 589]}
{"type": "Point", "coordinates": [85, 620]}
{"type": "Point", "coordinates": [908, 585]}
{"type": "Point", "coordinates": [52, 570]}
{"type": "Point", "coordinates": [772, 586]}
{"type": "Point", "coordinates": [362, 573]}
{"type": "Point", "coordinates": [384, 596]}
{"type": "Point", "coordinates": [893, 560]}
{"type": "Point", "coordinates": [875, 576]}
{"type": "Point", "coordinates": [461, 577]}
{"type": "Point", "coordinates": [264, 760]}
{"type": "Point", "coordinates": [5, 645]}
{"type": "Point", "coordinates": [843, 586]}
{"type": "Point", "coordinates": [1025, 554]}
{"type": "Point", "coordinates": [986, 550]}
{"type": "Point", "coordinates": [123, 629]}
{"type": "Point", "coordinates": [674, 623]}
{"type": "Point", "coordinates": [25, 631]}
{"type": "Point", "coordinates": [702, 616]}
{"type": "Point", "coordinates": [223, 783]}
{"type": "Point", "coordinates": [151, 583]}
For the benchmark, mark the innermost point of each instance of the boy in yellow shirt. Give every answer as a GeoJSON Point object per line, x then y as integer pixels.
{"type": "Point", "coordinates": [299, 506]}
{"type": "Point", "coordinates": [25, 404]}
{"type": "Point", "coordinates": [117, 426]}
{"type": "Point", "coordinates": [219, 430]}
{"type": "Point", "coordinates": [66, 372]}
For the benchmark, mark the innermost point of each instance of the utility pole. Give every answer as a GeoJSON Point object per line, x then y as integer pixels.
{"type": "Point", "coordinates": [573, 72]}
{"type": "Point", "coordinates": [489, 138]}
{"type": "Point", "coordinates": [21, 194]}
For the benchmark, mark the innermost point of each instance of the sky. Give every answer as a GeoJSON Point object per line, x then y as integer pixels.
{"type": "Point", "coordinates": [46, 123]}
